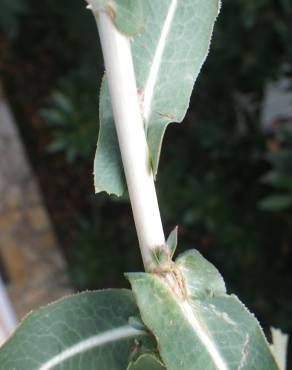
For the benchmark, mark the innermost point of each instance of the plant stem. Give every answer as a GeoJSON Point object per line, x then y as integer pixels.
{"type": "Point", "coordinates": [131, 135]}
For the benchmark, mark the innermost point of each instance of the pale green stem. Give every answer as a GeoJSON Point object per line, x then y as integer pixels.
{"type": "Point", "coordinates": [131, 135]}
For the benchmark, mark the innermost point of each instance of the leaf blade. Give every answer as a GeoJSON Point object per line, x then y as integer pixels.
{"type": "Point", "coordinates": [207, 329]}
{"type": "Point", "coordinates": [147, 363]}
{"type": "Point", "coordinates": [126, 14]}
{"type": "Point", "coordinates": [108, 168]}
{"type": "Point", "coordinates": [168, 56]}
{"type": "Point", "coordinates": [180, 52]}
{"type": "Point", "coordinates": [276, 202]}
{"type": "Point", "coordinates": [71, 333]}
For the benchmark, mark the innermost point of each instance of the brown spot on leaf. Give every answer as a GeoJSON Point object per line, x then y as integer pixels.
{"type": "Point", "coordinates": [173, 278]}
{"type": "Point", "coordinates": [167, 116]}
{"type": "Point", "coordinates": [111, 12]}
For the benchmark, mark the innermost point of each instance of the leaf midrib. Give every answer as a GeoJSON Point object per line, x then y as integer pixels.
{"type": "Point", "coordinates": [90, 343]}
{"type": "Point", "coordinates": [201, 332]}
{"type": "Point", "coordinates": [156, 62]}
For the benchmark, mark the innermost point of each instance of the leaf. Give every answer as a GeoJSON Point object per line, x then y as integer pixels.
{"type": "Point", "coordinates": [10, 15]}
{"type": "Point", "coordinates": [280, 347]}
{"type": "Point", "coordinates": [88, 331]}
{"type": "Point", "coordinates": [168, 56]}
{"type": "Point", "coordinates": [201, 277]}
{"type": "Point", "coordinates": [147, 363]}
{"type": "Point", "coordinates": [278, 202]}
{"type": "Point", "coordinates": [172, 241]}
{"type": "Point", "coordinates": [108, 170]}
{"type": "Point", "coordinates": [163, 254]}
{"type": "Point", "coordinates": [281, 160]}
{"type": "Point", "coordinates": [62, 102]}
{"type": "Point", "coordinates": [129, 17]}
{"type": "Point", "coordinates": [198, 327]}
{"type": "Point", "coordinates": [126, 14]}
{"type": "Point", "coordinates": [147, 347]}
{"type": "Point", "coordinates": [278, 180]}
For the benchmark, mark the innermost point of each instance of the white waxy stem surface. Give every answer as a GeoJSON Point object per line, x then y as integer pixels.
{"type": "Point", "coordinates": [131, 135]}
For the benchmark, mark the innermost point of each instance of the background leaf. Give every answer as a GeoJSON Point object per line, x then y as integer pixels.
{"type": "Point", "coordinates": [276, 202]}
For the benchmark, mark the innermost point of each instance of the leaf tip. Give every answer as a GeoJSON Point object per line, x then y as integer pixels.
{"type": "Point", "coordinates": [172, 241]}
{"type": "Point", "coordinates": [279, 347]}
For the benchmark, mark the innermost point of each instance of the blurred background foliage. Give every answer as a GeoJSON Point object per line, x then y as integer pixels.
{"type": "Point", "coordinates": [223, 178]}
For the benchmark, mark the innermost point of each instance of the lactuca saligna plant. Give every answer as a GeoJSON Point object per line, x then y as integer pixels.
{"type": "Point", "coordinates": [178, 314]}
